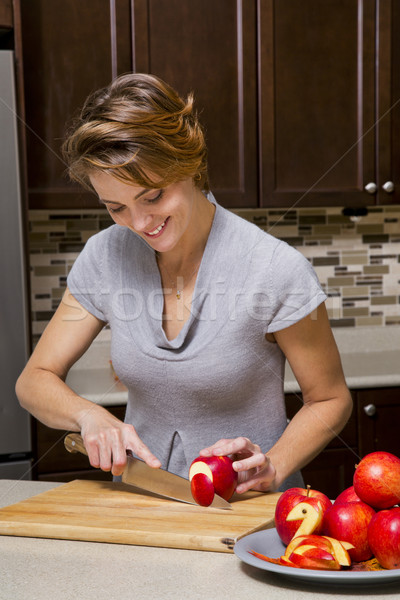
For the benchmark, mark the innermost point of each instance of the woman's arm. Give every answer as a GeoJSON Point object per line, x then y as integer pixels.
{"type": "Point", "coordinates": [312, 353]}
{"type": "Point", "coordinates": [41, 389]}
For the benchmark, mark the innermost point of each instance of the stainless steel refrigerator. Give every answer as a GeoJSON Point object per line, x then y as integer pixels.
{"type": "Point", "coordinates": [15, 428]}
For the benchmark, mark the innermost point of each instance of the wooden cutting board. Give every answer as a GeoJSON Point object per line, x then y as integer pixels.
{"type": "Point", "coordinates": [98, 511]}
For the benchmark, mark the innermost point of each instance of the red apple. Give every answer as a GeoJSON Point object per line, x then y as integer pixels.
{"type": "Point", "coordinates": [287, 501]}
{"type": "Point", "coordinates": [384, 537]}
{"type": "Point", "coordinates": [377, 479]}
{"type": "Point", "coordinates": [349, 523]}
{"type": "Point", "coordinates": [348, 495]}
{"type": "Point", "coordinates": [209, 475]}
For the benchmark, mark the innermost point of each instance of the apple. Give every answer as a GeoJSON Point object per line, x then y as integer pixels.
{"type": "Point", "coordinates": [287, 529]}
{"type": "Point", "coordinates": [349, 523]}
{"type": "Point", "coordinates": [384, 537]}
{"type": "Point", "coordinates": [376, 479]}
{"type": "Point", "coordinates": [348, 495]}
{"type": "Point", "coordinates": [209, 475]}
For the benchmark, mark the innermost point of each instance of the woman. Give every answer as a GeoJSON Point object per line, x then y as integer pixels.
{"type": "Point", "coordinates": [203, 308]}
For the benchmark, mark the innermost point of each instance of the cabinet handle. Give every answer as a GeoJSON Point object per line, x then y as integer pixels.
{"type": "Point", "coordinates": [370, 410]}
{"type": "Point", "coordinates": [371, 187]}
{"type": "Point", "coordinates": [388, 187]}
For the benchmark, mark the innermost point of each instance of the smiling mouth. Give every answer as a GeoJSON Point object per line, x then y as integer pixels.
{"type": "Point", "coordinates": [157, 231]}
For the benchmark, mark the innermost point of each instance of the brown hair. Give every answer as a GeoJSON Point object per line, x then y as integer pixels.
{"type": "Point", "coordinates": [139, 130]}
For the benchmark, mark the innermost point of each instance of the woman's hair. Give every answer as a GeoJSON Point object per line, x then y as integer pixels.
{"type": "Point", "coordinates": [139, 130]}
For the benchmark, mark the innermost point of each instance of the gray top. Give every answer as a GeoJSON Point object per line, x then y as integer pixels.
{"type": "Point", "coordinates": [219, 377]}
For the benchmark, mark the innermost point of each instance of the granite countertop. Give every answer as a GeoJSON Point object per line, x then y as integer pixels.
{"type": "Point", "coordinates": [41, 569]}
{"type": "Point", "coordinates": [370, 358]}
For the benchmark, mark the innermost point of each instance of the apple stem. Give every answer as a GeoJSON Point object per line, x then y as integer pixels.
{"type": "Point", "coordinates": [308, 490]}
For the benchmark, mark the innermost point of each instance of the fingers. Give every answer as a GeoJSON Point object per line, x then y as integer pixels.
{"type": "Point", "coordinates": [143, 452]}
{"type": "Point", "coordinates": [262, 479]}
{"type": "Point", "coordinates": [253, 467]}
{"type": "Point", "coordinates": [107, 448]}
{"type": "Point", "coordinates": [224, 447]}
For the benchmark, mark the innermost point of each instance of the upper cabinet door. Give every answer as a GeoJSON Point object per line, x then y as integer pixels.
{"type": "Point", "coordinates": [209, 47]}
{"type": "Point", "coordinates": [70, 48]}
{"type": "Point", "coordinates": [388, 102]}
{"type": "Point", "coordinates": [317, 79]}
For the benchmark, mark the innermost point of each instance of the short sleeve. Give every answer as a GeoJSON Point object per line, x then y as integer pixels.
{"type": "Point", "coordinates": [294, 288]}
{"type": "Point", "coordinates": [85, 281]}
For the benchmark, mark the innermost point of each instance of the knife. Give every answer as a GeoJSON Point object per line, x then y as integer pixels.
{"type": "Point", "coordinates": [157, 481]}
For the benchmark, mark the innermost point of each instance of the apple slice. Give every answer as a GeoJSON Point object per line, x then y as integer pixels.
{"type": "Point", "coordinates": [315, 540]}
{"type": "Point", "coordinates": [285, 562]}
{"type": "Point", "coordinates": [340, 551]}
{"type": "Point", "coordinates": [311, 517]}
{"type": "Point", "coordinates": [310, 557]}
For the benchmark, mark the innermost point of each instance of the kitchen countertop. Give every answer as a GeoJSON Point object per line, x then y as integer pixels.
{"type": "Point", "coordinates": [41, 569]}
{"type": "Point", "coordinates": [370, 358]}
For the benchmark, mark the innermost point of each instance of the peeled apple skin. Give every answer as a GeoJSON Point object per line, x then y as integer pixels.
{"type": "Point", "coordinates": [376, 479]}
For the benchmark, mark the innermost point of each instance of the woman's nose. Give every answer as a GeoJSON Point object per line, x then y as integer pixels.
{"type": "Point", "coordinates": [140, 221]}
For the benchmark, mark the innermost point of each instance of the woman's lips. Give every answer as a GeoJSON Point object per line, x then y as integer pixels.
{"type": "Point", "coordinates": [157, 231]}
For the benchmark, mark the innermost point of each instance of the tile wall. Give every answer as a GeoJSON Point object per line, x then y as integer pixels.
{"type": "Point", "coordinates": [357, 262]}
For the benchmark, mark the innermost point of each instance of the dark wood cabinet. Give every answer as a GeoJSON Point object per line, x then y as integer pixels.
{"type": "Point", "coordinates": [371, 427]}
{"type": "Point", "coordinates": [300, 101]}
{"type": "Point", "coordinates": [70, 48]}
{"type": "Point", "coordinates": [378, 415]}
{"type": "Point", "coordinates": [388, 103]}
{"type": "Point", "coordinates": [332, 470]}
{"type": "Point", "coordinates": [211, 48]}
{"type": "Point", "coordinates": [6, 15]}
{"type": "Point", "coordinates": [329, 80]}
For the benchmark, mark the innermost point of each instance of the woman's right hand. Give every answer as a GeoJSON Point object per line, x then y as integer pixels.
{"type": "Point", "coordinates": [107, 440]}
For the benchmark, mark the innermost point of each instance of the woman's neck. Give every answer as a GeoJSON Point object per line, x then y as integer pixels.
{"type": "Point", "coordinates": [189, 250]}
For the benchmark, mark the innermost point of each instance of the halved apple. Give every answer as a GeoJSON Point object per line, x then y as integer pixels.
{"type": "Point", "coordinates": [217, 477]}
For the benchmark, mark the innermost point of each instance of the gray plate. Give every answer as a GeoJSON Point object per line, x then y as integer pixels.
{"type": "Point", "coordinates": [268, 543]}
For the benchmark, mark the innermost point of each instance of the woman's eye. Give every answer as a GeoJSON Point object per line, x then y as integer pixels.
{"type": "Point", "coordinates": [116, 210]}
{"type": "Point", "coordinates": [150, 199]}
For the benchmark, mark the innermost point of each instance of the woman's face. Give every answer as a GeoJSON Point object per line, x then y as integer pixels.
{"type": "Point", "coordinates": [159, 216]}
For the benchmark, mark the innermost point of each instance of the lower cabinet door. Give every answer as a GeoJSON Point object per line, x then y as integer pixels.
{"type": "Point", "coordinates": [332, 471]}
{"type": "Point", "coordinates": [378, 419]}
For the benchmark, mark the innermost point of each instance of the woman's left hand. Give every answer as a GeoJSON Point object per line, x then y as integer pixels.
{"type": "Point", "coordinates": [255, 470]}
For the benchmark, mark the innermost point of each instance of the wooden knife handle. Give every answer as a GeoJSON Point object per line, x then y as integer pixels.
{"type": "Point", "coordinates": [74, 443]}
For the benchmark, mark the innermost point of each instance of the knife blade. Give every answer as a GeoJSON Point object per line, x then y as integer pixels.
{"type": "Point", "coordinates": [158, 481]}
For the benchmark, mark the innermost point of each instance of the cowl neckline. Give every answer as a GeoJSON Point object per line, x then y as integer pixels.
{"type": "Point", "coordinates": [143, 280]}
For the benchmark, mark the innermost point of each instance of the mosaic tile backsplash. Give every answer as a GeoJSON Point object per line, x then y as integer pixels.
{"type": "Point", "coordinates": [357, 261]}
